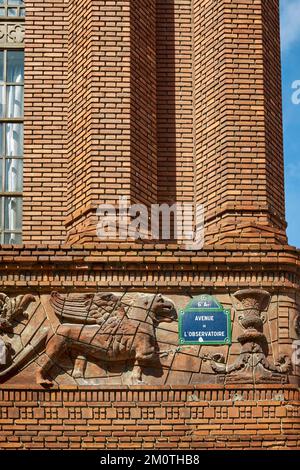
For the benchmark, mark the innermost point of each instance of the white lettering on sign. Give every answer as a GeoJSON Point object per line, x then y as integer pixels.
{"type": "Point", "coordinates": [204, 318]}
{"type": "Point", "coordinates": [203, 304]}
{"type": "Point", "coordinates": [206, 333]}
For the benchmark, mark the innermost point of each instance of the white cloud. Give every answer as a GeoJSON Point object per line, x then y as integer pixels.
{"type": "Point", "coordinates": [290, 23]}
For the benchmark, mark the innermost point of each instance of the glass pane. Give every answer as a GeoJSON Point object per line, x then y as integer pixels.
{"type": "Point", "coordinates": [15, 66]}
{"type": "Point", "coordinates": [2, 150]}
{"type": "Point", "coordinates": [1, 221]}
{"type": "Point", "coordinates": [1, 2]}
{"type": "Point", "coordinates": [12, 213]}
{"type": "Point", "coordinates": [1, 66]}
{"type": "Point", "coordinates": [2, 101]}
{"type": "Point", "coordinates": [14, 140]}
{"type": "Point", "coordinates": [1, 174]}
{"type": "Point", "coordinates": [12, 238]}
{"type": "Point", "coordinates": [15, 101]}
{"type": "Point", "coordinates": [2, 11]}
{"type": "Point", "coordinates": [22, 11]}
{"type": "Point", "coordinates": [12, 12]}
{"type": "Point", "coordinates": [15, 2]}
{"type": "Point", "coordinates": [13, 175]}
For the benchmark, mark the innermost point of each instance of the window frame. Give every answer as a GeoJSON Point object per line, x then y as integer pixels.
{"type": "Point", "coordinates": [6, 195]}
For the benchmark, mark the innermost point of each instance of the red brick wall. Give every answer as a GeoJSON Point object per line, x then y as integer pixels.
{"type": "Point", "coordinates": [80, 103]}
{"type": "Point", "coordinates": [163, 102]}
{"type": "Point", "coordinates": [273, 107]}
{"type": "Point", "coordinates": [175, 133]}
{"type": "Point", "coordinates": [239, 416]}
{"type": "Point", "coordinates": [233, 122]}
{"type": "Point", "coordinates": [154, 99]}
{"type": "Point", "coordinates": [45, 153]}
{"type": "Point", "coordinates": [112, 105]}
{"type": "Point", "coordinates": [150, 418]}
{"type": "Point", "coordinates": [143, 138]}
{"type": "Point", "coordinates": [99, 102]}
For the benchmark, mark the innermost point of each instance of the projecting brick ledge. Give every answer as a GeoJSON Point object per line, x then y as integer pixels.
{"type": "Point", "coordinates": [134, 255]}
{"type": "Point", "coordinates": [151, 266]}
{"type": "Point", "coordinates": [192, 417]}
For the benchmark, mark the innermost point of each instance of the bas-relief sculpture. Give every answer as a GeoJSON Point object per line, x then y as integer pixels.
{"type": "Point", "coordinates": [297, 325]}
{"type": "Point", "coordinates": [12, 308]}
{"type": "Point", "coordinates": [252, 365]}
{"type": "Point", "coordinates": [126, 338]}
{"type": "Point", "coordinates": [106, 333]}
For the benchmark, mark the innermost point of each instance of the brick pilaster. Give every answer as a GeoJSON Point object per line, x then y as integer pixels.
{"type": "Point", "coordinates": [238, 138]}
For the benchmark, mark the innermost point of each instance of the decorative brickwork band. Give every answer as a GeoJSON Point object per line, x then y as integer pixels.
{"type": "Point", "coordinates": [149, 418]}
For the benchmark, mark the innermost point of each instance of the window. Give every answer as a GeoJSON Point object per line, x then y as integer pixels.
{"type": "Point", "coordinates": [12, 8]}
{"type": "Point", "coordinates": [11, 120]}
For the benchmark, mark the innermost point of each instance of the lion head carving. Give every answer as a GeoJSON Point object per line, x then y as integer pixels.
{"type": "Point", "coordinates": [161, 308]}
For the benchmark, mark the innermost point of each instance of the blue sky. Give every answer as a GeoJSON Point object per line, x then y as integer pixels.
{"type": "Point", "coordinates": [290, 41]}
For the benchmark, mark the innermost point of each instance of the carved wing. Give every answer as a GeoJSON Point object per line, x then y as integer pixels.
{"type": "Point", "coordinates": [72, 309]}
{"type": "Point", "coordinates": [89, 309]}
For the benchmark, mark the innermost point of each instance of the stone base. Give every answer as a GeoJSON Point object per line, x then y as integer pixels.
{"type": "Point", "coordinates": [193, 417]}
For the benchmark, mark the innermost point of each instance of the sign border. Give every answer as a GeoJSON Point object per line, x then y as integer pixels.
{"type": "Point", "coordinates": [226, 342]}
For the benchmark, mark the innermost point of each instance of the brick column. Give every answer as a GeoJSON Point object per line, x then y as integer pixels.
{"type": "Point", "coordinates": [238, 127]}
{"type": "Point", "coordinates": [112, 108]}
{"type": "Point", "coordinates": [45, 132]}
{"type": "Point", "coordinates": [175, 133]}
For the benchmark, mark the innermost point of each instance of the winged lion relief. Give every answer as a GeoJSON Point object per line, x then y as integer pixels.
{"type": "Point", "coordinates": [126, 338]}
{"type": "Point", "coordinates": [101, 328]}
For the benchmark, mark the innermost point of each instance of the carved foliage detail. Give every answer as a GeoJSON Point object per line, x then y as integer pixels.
{"type": "Point", "coordinates": [12, 308]}
{"type": "Point", "coordinates": [12, 33]}
{"type": "Point", "coordinates": [252, 365]}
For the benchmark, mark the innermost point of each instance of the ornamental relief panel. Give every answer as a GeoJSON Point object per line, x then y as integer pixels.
{"type": "Point", "coordinates": [12, 33]}
{"type": "Point", "coordinates": [129, 338]}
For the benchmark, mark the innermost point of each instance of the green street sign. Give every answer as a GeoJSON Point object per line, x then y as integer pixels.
{"type": "Point", "coordinates": [204, 322]}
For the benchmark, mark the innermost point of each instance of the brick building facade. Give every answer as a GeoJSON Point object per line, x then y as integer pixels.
{"type": "Point", "coordinates": [160, 101]}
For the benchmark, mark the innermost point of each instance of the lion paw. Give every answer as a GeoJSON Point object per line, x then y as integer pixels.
{"type": "Point", "coordinates": [40, 380]}
{"type": "Point", "coordinates": [45, 383]}
{"type": "Point", "coordinates": [77, 374]}
{"type": "Point", "coordinates": [137, 381]}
